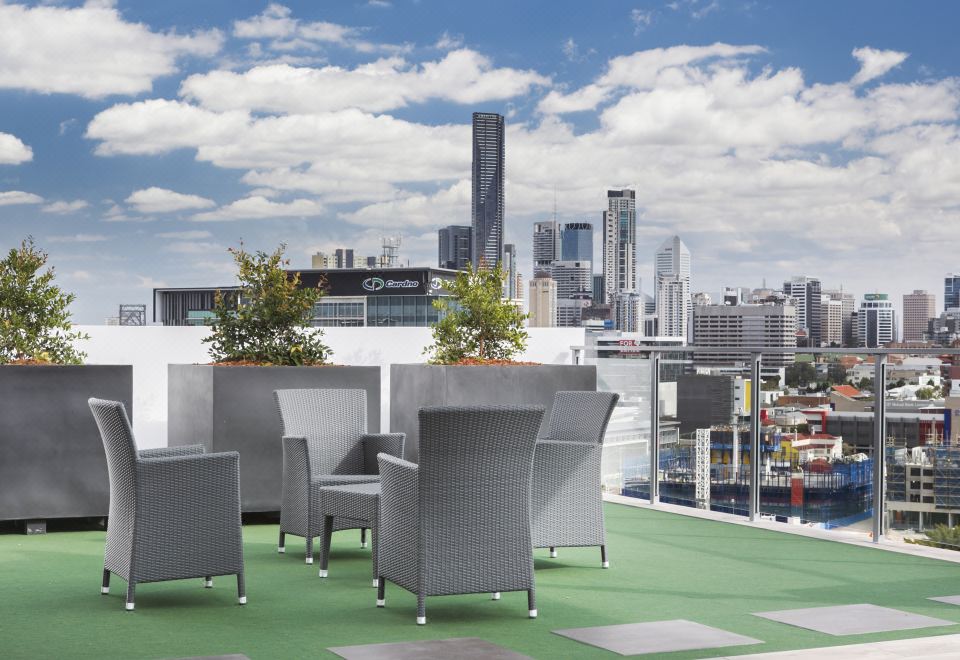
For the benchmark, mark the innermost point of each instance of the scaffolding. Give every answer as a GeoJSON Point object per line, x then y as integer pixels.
{"type": "Point", "coordinates": [702, 469]}
{"type": "Point", "coordinates": [946, 477]}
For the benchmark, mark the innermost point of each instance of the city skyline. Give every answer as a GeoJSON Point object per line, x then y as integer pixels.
{"type": "Point", "coordinates": [138, 141]}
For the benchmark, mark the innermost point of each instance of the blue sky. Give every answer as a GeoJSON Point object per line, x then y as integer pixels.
{"type": "Point", "coordinates": [139, 140]}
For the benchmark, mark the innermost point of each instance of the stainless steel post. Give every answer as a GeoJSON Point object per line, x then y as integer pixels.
{"type": "Point", "coordinates": [879, 439]}
{"type": "Point", "coordinates": [755, 457]}
{"type": "Point", "coordinates": [654, 428]}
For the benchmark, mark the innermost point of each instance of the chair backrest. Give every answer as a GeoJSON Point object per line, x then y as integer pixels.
{"type": "Point", "coordinates": [474, 480]}
{"type": "Point", "coordinates": [332, 421]}
{"type": "Point", "coordinates": [581, 416]}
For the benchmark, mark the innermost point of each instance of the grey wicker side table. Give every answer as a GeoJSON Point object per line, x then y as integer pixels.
{"type": "Point", "coordinates": [355, 501]}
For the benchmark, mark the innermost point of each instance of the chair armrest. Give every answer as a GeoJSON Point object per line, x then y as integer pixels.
{"type": "Point", "coordinates": [563, 455]}
{"type": "Point", "coordinates": [163, 452]}
{"type": "Point", "coordinates": [398, 534]}
{"type": "Point", "coordinates": [377, 443]}
{"type": "Point", "coordinates": [194, 482]}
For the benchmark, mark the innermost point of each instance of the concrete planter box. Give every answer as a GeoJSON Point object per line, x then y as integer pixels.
{"type": "Point", "coordinates": [52, 463]}
{"type": "Point", "coordinates": [232, 409]}
{"type": "Point", "coordinates": [413, 386]}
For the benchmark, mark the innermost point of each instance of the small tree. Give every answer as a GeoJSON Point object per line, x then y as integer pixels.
{"type": "Point", "coordinates": [268, 320]}
{"type": "Point", "coordinates": [34, 313]}
{"type": "Point", "coordinates": [476, 322]}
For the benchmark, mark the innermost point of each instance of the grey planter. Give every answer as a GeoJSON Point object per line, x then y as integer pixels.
{"type": "Point", "coordinates": [52, 463]}
{"type": "Point", "coordinates": [413, 386]}
{"type": "Point", "coordinates": [232, 409]}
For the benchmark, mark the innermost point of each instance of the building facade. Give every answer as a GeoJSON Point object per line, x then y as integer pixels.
{"type": "Point", "coordinates": [831, 321]}
{"type": "Point", "coordinates": [487, 193]}
{"type": "Point", "coordinates": [672, 276]}
{"type": "Point", "coordinates": [918, 308]}
{"type": "Point", "coordinates": [576, 242]}
{"type": "Point", "coordinates": [546, 247]}
{"type": "Point", "coordinates": [510, 290]}
{"type": "Point", "coordinates": [574, 281]}
{"type": "Point", "coordinates": [744, 326]}
{"type": "Point", "coordinates": [620, 243]}
{"type": "Point", "coordinates": [806, 293]}
{"type": "Point", "coordinates": [543, 303]}
{"type": "Point", "coordinates": [455, 243]}
{"type": "Point", "coordinates": [876, 321]}
{"type": "Point", "coordinates": [951, 291]}
{"type": "Point", "coordinates": [847, 310]}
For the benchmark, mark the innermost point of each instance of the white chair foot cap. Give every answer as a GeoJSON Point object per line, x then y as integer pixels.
{"type": "Point", "coordinates": [533, 614]}
{"type": "Point", "coordinates": [495, 596]}
{"type": "Point", "coordinates": [323, 573]}
{"type": "Point", "coordinates": [421, 620]}
{"type": "Point", "coordinates": [208, 584]}
{"type": "Point", "coordinates": [129, 607]}
{"type": "Point", "coordinates": [309, 560]}
{"type": "Point", "coordinates": [381, 602]}
{"type": "Point", "coordinates": [376, 582]}
{"type": "Point", "coordinates": [553, 554]}
{"type": "Point", "coordinates": [605, 564]}
{"type": "Point", "coordinates": [104, 590]}
{"type": "Point", "coordinates": [243, 600]}
{"type": "Point", "coordinates": [363, 545]}
{"type": "Point", "coordinates": [281, 550]}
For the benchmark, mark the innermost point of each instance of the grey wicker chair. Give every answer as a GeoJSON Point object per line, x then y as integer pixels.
{"type": "Point", "coordinates": [459, 522]}
{"type": "Point", "coordinates": [566, 501]}
{"type": "Point", "coordinates": [325, 443]}
{"type": "Point", "coordinates": [174, 512]}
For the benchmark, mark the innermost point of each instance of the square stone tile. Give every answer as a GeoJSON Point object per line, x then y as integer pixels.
{"type": "Point", "coordinates": [656, 637]}
{"type": "Point", "coordinates": [462, 648]}
{"type": "Point", "coordinates": [949, 600]}
{"type": "Point", "coordinates": [853, 619]}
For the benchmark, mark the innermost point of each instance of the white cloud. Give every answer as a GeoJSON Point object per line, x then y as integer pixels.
{"type": "Point", "coordinates": [706, 10]}
{"type": "Point", "coordinates": [13, 151]}
{"type": "Point", "coordinates": [449, 41]}
{"type": "Point", "coordinates": [193, 247]}
{"type": "Point", "coordinates": [185, 235]}
{"type": "Point", "coordinates": [12, 197]}
{"type": "Point", "coordinates": [461, 76]}
{"type": "Point", "coordinates": [875, 63]}
{"type": "Point", "coordinates": [641, 19]}
{"type": "Point", "coordinates": [89, 50]}
{"type": "Point", "coordinates": [161, 200]}
{"type": "Point", "coordinates": [79, 238]}
{"type": "Point", "coordinates": [63, 208]}
{"type": "Point", "coordinates": [258, 208]}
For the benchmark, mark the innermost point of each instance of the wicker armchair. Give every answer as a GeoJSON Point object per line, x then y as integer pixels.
{"type": "Point", "coordinates": [459, 522]}
{"type": "Point", "coordinates": [325, 443]}
{"type": "Point", "coordinates": [174, 512]}
{"type": "Point", "coordinates": [566, 502]}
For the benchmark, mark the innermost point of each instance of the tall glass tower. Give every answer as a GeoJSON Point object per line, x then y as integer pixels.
{"type": "Point", "coordinates": [487, 202]}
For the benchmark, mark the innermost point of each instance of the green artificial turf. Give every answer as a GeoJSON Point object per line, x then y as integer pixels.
{"type": "Point", "coordinates": [663, 566]}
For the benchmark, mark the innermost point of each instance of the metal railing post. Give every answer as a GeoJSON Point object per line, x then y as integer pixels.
{"type": "Point", "coordinates": [879, 439]}
{"type": "Point", "coordinates": [755, 458]}
{"type": "Point", "coordinates": [654, 428]}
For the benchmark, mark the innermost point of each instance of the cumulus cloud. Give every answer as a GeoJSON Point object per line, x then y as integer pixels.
{"type": "Point", "coordinates": [161, 200]}
{"type": "Point", "coordinates": [875, 63]}
{"type": "Point", "coordinates": [63, 208]}
{"type": "Point", "coordinates": [14, 197]}
{"type": "Point", "coordinates": [13, 151]}
{"type": "Point", "coordinates": [89, 50]}
{"type": "Point", "coordinates": [259, 208]}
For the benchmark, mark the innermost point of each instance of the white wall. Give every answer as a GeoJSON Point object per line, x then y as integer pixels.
{"type": "Point", "coordinates": [150, 349]}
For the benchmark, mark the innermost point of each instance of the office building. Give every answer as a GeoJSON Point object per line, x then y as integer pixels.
{"type": "Point", "coordinates": [945, 329]}
{"type": "Point", "coordinates": [598, 297]}
{"type": "Point", "coordinates": [806, 293]}
{"type": "Point", "coordinates": [847, 313]}
{"type": "Point", "coordinates": [672, 277]}
{"type": "Point", "coordinates": [620, 243]}
{"type": "Point", "coordinates": [701, 298]}
{"type": "Point", "coordinates": [487, 195]}
{"type": "Point", "coordinates": [543, 303]}
{"type": "Point", "coordinates": [455, 243]}
{"type": "Point", "coordinates": [831, 320]}
{"type": "Point", "coordinates": [951, 291]}
{"type": "Point", "coordinates": [574, 290]}
{"type": "Point", "coordinates": [876, 321]}
{"type": "Point", "coordinates": [546, 247]}
{"type": "Point", "coordinates": [628, 312]}
{"type": "Point", "coordinates": [510, 291]}
{"type": "Point", "coordinates": [918, 308]}
{"type": "Point", "coordinates": [343, 258]}
{"type": "Point", "coordinates": [746, 326]}
{"type": "Point", "coordinates": [576, 242]}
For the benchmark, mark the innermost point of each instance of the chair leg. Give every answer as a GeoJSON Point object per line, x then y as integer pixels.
{"type": "Point", "coordinates": [105, 585]}
{"type": "Point", "coordinates": [553, 552]}
{"type": "Point", "coordinates": [325, 548]}
{"type": "Point", "coordinates": [363, 537]}
{"type": "Point", "coordinates": [282, 543]}
{"type": "Point", "coordinates": [421, 609]}
{"type": "Point", "coordinates": [208, 582]}
{"type": "Point", "coordinates": [131, 588]}
{"type": "Point", "coordinates": [241, 590]}
{"type": "Point", "coordinates": [495, 596]}
{"type": "Point", "coordinates": [603, 557]}
{"type": "Point", "coordinates": [309, 555]}
{"type": "Point", "coordinates": [532, 603]}
{"type": "Point", "coordinates": [381, 592]}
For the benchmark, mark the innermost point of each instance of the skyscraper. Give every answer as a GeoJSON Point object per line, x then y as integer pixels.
{"type": "Point", "coordinates": [454, 243]}
{"type": "Point", "coordinates": [672, 276]}
{"type": "Point", "coordinates": [620, 243]}
{"type": "Point", "coordinates": [918, 308]}
{"type": "Point", "coordinates": [574, 290]}
{"type": "Point", "coordinates": [744, 326]}
{"type": "Point", "coordinates": [951, 291]}
{"type": "Point", "coordinates": [510, 271]}
{"type": "Point", "coordinates": [543, 303]}
{"type": "Point", "coordinates": [576, 241]}
{"type": "Point", "coordinates": [546, 247]}
{"type": "Point", "coordinates": [487, 202]}
{"type": "Point", "coordinates": [847, 303]}
{"type": "Point", "coordinates": [805, 291]}
{"type": "Point", "coordinates": [877, 321]}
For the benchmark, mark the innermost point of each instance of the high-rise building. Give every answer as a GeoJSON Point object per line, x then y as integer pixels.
{"type": "Point", "coordinates": [701, 298]}
{"type": "Point", "coordinates": [487, 202]}
{"type": "Point", "coordinates": [342, 258]}
{"type": "Point", "coordinates": [620, 243]}
{"type": "Point", "coordinates": [510, 271]}
{"type": "Point", "coordinates": [543, 303]}
{"type": "Point", "coordinates": [546, 247]}
{"type": "Point", "coordinates": [576, 241]}
{"type": "Point", "coordinates": [918, 308]}
{"type": "Point", "coordinates": [945, 329]}
{"type": "Point", "coordinates": [672, 276]}
{"type": "Point", "coordinates": [322, 260]}
{"type": "Point", "coordinates": [598, 297]}
{"type": "Point", "coordinates": [951, 291]}
{"type": "Point", "coordinates": [574, 290]}
{"type": "Point", "coordinates": [744, 326]}
{"type": "Point", "coordinates": [848, 311]}
{"type": "Point", "coordinates": [831, 321]}
{"type": "Point", "coordinates": [628, 309]}
{"type": "Point", "coordinates": [876, 320]}
{"type": "Point", "coordinates": [805, 292]}
{"type": "Point", "coordinates": [455, 243]}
